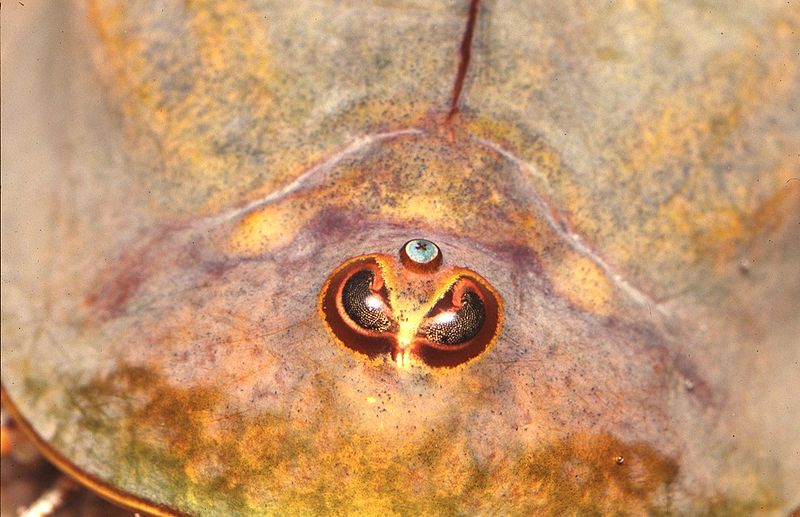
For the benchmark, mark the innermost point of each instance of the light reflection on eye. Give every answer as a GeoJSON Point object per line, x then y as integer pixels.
{"type": "Point", "coordinates": [444, 318]}
{"type": "Point", "coordinates": [374, 303]}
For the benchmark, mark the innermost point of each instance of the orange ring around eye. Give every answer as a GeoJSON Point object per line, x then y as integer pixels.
{"type": "Point", "coordinates": [445, 355]}
{"type": "Point", "coordinates": [390, 277]}
{"type": "Point", "coordinates": [344, 330]}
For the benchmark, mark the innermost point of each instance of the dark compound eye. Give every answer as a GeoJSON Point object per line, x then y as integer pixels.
{"type": "Point", "coordinates": [456, 326]}
{"type": "Point", "coordinates": [364, 303]}
{"type": "Point", "coordinates": [355, 307]}
{"type": "Point", "coordinates": [461, 325]}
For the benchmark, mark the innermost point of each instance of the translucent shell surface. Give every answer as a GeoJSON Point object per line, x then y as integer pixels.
{"type": "Point", "coordinates": [203, 307]}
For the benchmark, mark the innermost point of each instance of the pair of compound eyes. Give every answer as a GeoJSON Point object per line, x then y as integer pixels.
{"type": "Point", "coordinates": [376, 305]}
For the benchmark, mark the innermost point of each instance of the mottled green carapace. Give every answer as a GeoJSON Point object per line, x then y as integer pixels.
{"type": "Point", "coordinates": [213, 303]}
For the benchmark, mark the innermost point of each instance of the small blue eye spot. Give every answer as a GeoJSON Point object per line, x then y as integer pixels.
{"type": "Point", "coordinates": [421, 256]}
{"type": "Point", "coordinates": [421, 251]}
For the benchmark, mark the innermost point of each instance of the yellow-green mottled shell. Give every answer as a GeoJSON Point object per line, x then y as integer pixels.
{"type": "Point", "coordinates": [180, 178]}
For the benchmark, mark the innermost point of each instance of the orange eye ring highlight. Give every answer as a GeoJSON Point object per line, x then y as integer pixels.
{"type": "Point", "coordinates": [378, 305]}
{"type": "Point", "coordinates": [347, 331]}
{"type": "Point", "coordinates": [438, 354]}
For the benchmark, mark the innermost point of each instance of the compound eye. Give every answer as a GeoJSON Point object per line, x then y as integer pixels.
{"type": "Point", "coordinates": [364, 301]}
{"type": "Point", "coordinates": [459, 324]}
{"type": "Point", "coordinates": [443, 318]}
{"type": "Point", "coordinates": [356, 308]}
